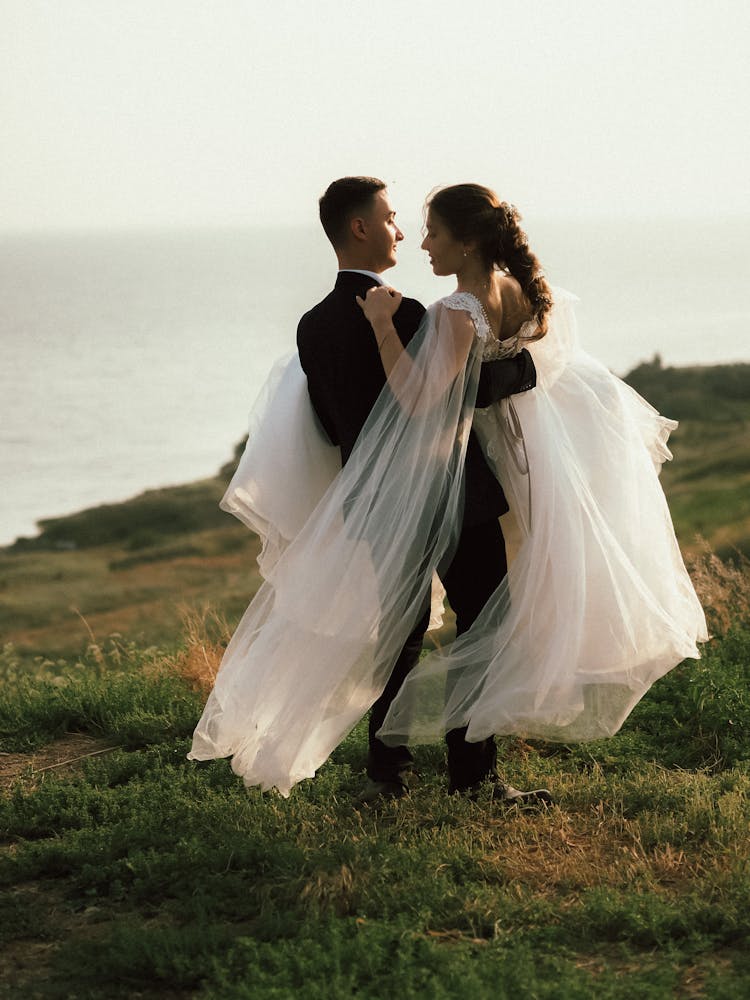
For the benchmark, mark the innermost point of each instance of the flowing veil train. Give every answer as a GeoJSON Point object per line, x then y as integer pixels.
{"type": "Point", "coordinates": [596, 606]}
{"type": "Point", "coordinates": [316, 645]}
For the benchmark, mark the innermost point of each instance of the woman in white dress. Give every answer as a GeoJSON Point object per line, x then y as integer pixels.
{"type": "Point", "coordinates": [597, 604]}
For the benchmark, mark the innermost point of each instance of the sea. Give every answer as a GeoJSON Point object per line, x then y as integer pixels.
{"type": "Point", "coordinates": [130, 360]}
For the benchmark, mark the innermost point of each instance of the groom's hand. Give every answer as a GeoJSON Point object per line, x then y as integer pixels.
{"type": "Point", "coordinates": [380, 303]}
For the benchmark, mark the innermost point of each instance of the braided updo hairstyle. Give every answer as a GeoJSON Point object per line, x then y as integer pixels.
{"type": "Point", "coordinates": [475, 214]}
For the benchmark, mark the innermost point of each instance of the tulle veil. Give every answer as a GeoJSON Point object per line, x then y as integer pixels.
{"type": "Point", "coordinates": [596, 606]}
{"type": "Point", "coordinates": [346, 567]}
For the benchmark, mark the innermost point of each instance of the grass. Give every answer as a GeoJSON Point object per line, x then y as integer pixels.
{"type": "Point", "coordinates": [132, 872]}
{"type": "Point", "coordinates": [127, 871]}
{"type": "Point", "coordinates": [139, 595]}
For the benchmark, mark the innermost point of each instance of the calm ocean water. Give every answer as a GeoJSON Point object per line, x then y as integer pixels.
{"type": "Point", "coordinates": [130, 361]}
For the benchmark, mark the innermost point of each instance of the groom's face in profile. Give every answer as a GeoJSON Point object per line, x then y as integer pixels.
{"type": "Point", "coordinates": [383, 235]}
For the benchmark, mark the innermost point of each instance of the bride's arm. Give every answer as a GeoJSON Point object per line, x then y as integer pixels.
{"type": "Point", "coordinates": [451, 350]}
{"type": "Point", "coordinates": [379, 306]}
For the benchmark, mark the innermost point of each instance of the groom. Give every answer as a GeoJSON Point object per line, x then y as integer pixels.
{"type": "Point", "coordinates": [345, 376]}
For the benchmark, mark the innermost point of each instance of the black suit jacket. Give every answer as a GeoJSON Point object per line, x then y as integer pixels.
{"type": "Point", "coordinates": [345, 376]}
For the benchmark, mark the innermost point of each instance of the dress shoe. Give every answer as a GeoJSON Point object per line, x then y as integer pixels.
{"type": "Point", "coordinates": [377, 791]}
{"type": "Point", "coordinates": [508, 795]}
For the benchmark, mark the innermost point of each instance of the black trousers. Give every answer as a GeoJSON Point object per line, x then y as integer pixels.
{"type": "Point", "coordinates": [476, 570]}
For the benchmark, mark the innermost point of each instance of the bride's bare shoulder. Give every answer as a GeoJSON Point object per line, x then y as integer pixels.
{"type": "Point", "coordinates": [515, 307]}
{"type": "Point", "coordinates": [510, 291]}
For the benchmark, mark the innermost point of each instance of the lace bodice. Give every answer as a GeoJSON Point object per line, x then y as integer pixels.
{"type": "Point", "coordinates": [493, 348]}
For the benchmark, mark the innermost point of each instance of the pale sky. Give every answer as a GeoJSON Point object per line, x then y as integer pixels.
{"type": "Point", "coordinates": [222, 112]}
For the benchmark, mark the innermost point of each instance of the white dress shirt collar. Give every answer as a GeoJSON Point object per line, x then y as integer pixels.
{"type": "Point", "coordinates": [356, 270]}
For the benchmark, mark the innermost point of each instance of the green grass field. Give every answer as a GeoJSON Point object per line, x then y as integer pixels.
{"type": "Point", "coordinates": [127, 871]}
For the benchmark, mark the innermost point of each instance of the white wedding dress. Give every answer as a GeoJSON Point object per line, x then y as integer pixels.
{"type": "Point", "coordinates": [596, 606]}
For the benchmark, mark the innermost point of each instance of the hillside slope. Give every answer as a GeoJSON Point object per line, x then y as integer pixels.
{"type": "Point", "coordinates": [132, 568]}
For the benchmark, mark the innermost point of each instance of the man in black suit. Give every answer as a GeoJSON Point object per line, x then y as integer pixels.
{"type": "Point", "coordinates": [339, 355]}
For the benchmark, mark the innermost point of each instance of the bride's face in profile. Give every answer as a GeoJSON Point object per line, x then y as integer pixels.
{"type": "Point", "coordinates": [446, 252]}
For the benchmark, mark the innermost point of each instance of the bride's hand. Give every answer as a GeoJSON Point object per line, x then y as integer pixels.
{"type": "Point", "coordinates": [380, 303]}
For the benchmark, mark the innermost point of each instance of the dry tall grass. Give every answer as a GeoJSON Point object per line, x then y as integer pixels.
{"type": "Point", "coordinates": [206, 634]}
{"type": "Point", "coordinates": [723, 588]}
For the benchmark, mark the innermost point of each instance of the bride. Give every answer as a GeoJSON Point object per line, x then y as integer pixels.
{"type": "Point", "coordinates": [597, 604]}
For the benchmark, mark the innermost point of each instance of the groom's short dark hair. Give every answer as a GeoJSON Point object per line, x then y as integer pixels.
{"type": "Point", "coordinates": [341, 202]}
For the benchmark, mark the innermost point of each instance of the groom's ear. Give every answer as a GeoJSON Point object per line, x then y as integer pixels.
{"type": "Point", "coordinates": [358, 228]}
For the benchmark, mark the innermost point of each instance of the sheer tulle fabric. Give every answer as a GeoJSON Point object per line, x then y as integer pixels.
{"type": "Point", "coordinates": [316, 646]}
{"type": "Point", "coordinates": [597, 604]}
{"type": "Point", "coordinates": [287, 466]}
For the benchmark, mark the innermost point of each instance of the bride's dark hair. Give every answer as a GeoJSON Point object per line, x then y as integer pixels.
{"type": "Point", "coordinates": [475, 214]}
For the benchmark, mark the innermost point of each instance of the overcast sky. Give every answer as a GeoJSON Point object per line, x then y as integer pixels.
{"type": "Point", "coordinates": [177, 112]}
